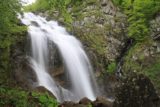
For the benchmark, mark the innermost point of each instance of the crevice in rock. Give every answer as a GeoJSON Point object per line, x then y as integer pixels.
{"type": "Point", "coordinates": [120, 60]}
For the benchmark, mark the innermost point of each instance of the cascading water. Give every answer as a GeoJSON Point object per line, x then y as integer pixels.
{"type": "Point", "coordinates": [75, 59]}
{"type": "Point", "coordinates": [78, 66]}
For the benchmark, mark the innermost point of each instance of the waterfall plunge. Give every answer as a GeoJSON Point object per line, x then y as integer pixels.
{"type": "Point", "coordinates": [75, 59]}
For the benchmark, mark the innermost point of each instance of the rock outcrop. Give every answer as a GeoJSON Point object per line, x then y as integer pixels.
{"type": "Point", "coordinates": [136, 90]}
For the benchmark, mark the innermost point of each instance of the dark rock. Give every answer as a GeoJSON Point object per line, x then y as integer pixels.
{"type": "Point", "coordinates": [35, 23]}
{"type": "Point", "coordinates": [71, 104]}
{"type": "Point", "coordinates": [102, 102]}
{"type": "Point", "coordinates": [22, 73]}
{"type": "Point", "coordinates": [85, 101]}
{"type": "Point", "coordinates": [136, 90]}
{"type": "Point", "coordinates": [67, 104]}
{"type": "Point", "coordinates": [108, 84]}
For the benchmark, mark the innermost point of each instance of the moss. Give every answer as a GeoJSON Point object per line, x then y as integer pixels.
{"type": "Point", "coordinates": [112, 67]}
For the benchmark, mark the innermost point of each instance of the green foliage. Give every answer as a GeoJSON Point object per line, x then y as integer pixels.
{"type": "Point", "coordinates": [8, 19]}
{"type": "Point", "coordinates": [19, 98]}
{"type": "Point", "coordinates": [40, 5]}
{"type": "Point", "coordinates": [139, 13]}
{"type": "Point", "coordinates": [112, 67]}
{"type": "Point", "coordinates": [10, 29]}
{"type": "Point", "coordinates": [12, 97]}
{"type": "Point", "coordinates": [45, 100]}
{"type": "Point", "coordinates": [89, 105]}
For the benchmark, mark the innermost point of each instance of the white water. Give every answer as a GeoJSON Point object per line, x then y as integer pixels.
{"type": "Point", "coordinates": [75, 59]}
{"type": "Point", "coordinates": [27, 2]}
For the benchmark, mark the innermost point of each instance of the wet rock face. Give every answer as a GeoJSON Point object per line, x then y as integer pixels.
{"type": "Point", "coordinates": [136, 90]}
{"type": "Point", "coordinates": [22, 72]}
{"type": "Point", "coordinates": [56, 67]}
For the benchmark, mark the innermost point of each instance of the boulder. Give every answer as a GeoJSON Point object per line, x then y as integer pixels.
{"type": "Point", "coordinates": [102, 102]}
{"type": "Point", "coordinates": [136, 90]}
{"type": "Point", "coordinates": [85, 101]}
{"type": "Point", "coordinates": [71, 104]}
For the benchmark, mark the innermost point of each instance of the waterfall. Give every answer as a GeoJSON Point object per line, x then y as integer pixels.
{"type": "Point", "coordinates": [75, 59]}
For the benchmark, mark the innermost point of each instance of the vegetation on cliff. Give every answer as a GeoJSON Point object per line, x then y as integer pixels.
{"type": "Point", "coordinates": [139, 13]}
{"type": "Point", "coordinates": [10, 29]}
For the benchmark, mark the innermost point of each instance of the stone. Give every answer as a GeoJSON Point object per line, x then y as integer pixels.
{"type": "Point", "coordinates": [85, 101]}
{"type": "Point", "coordinates": [102, 102]}
{"type": "Point", "coordinates": [70, 104]}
